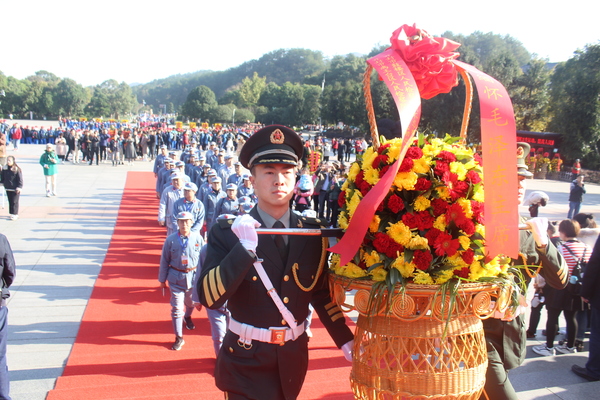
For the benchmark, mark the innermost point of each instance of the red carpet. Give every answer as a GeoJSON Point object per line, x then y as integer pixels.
{"type": "Point", "coordinates": [122, 350]}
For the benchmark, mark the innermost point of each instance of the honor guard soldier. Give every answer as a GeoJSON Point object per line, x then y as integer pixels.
{"type": "Point", "coordinates": [269, 281]}
{"type": "Point", "coordinates": [178, 263]}
{"type": "Point", "coordinates": [189, 203]}
{"type": "Point", "coordinates": [506, 337]}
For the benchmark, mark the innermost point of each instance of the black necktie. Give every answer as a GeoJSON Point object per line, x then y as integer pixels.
{"type": "Point", "coordinates": [279, 242]}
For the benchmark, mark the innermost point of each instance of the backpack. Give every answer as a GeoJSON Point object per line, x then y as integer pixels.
{"type": "Point", "coordinates": [576, 279]}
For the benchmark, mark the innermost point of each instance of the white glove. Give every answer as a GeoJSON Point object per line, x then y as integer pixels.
{"type": "Point", "coordinates": [244, 228]}
{"type": "Point", "coordinates": [539, 228]}
{"type": "Point", "coordinates": [347, 350]}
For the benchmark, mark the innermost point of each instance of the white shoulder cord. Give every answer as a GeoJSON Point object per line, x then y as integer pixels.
{"type": "Point", "coordinates": [287, 314]}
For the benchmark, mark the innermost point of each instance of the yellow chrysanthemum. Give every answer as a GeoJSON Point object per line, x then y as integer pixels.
{"type": "Point", "coordinates": [443, 192]}
{"type": "Point", "coordinates": [444, 276]}
{"type": "Point", "coordinates": [394, 150]}
{"type": "Point", "coordinates": [457, 261]}
{"type": "Point", "coordinates": [479, 228]}
{"type": "Point", "coordinates": [354, 201]}
{"type": "Point", "coordinates": [351, 270]}
{"type": "Point", "coordinates": [345, 185]}
{"type": "Point", "coordinates": [440, 223]}
{"type": "Point", "coordinates": [422, 203]}
{"type": "Point", "coordinates": [477, 271]}
{"type": "Point", "coordinates": [405, 180]}
{"type": "Point", "coordinates": [422, 278]}
{"type": "Point", "coordinates": [343, 221]}
{"type": "Point", "coordinates": [379, 274]}
{"type": "Point", "coordinates": [478, 195]}
{"type": "Point", "coordinates": [399, 232]}
{"type": "Point", "coordinates": [470, 165]}
{"type": "Point", "coordinates": [418, 243]}
{"type": "Point", "coordinates": [368, 157]}
{"type": "Point", "coordinates": [354, 170]}
{"type": "Point", "coordinates": [429, 150]}
{"type": "Point", "coordinates": [371, 258]}
{"type": "Point", "coordinates": [422, 165]}
{"type": "Point", "coordinates": [374, 225]}
{"type": "Point", "coordinates": [466, 206]}
{"type": "Point", "coordinates": [459, 169]}
{"type": "Point", "coordinates": [334, 261]}
{"type": "Point", "coordinates": [406, 269]}
{"type": "Point", "coordinates": [464, 241]}
{"type": "Point", "coordinates": [372, 176]}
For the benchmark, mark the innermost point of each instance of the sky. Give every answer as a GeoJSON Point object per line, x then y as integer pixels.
{"type": "Point", "coordinates": [140, 41]}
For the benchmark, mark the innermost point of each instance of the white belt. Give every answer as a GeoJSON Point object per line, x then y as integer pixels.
{"type": "Point", "coordinates": [276, 335]}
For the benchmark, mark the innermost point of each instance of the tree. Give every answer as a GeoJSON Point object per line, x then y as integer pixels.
{"type": "Point", "coordinates": [250, 90]}
{"type": "Point", "coordinates": [112, 98]}
{"type": "Point", "coordinates": [70, 98]}
{"type": "Point", "coordinates": [531, 98]}
{"type": "Point", "coordinates": [575, 105]}
{"type": "Point", "coordinates": [199, 103]}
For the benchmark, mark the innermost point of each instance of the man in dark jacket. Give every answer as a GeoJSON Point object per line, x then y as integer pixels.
{"type": "Point", "coordinates": [591, 294]}
{"type": "Point", "coordinates": [576, 196]}
{"type": "Point", "coordinates": [7, 265]}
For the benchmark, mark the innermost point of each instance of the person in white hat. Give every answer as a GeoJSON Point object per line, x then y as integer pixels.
{"type": "Point", "coordinates": [168, 198]}
{"type": "Point", "coordinates": [49, 161]}
{"type": "Point", "coordinates": [189, 203]}
{"type": "Point", "coordinates": [229, 204]}
{"type": "Point", "coordinates": [179, 261]}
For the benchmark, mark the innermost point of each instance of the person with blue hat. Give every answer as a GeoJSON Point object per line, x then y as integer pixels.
{"type": "Point", "coordinates": [189, 203]}
{"type": "Point", "coordinates": [246, 205]}
{"type": "Point", "coordinates": [245, 189]}
{"type": "Point", "coordinates": [167, 200]}
{"type": "Point", "coordinates": [179, 261]}
{"type": "Point", "coordinates": [211, 199]}
{"type": "Point", "coordinates": [229, 204]}
{"type": "Point", "coordinates": [206, 187]}
{"type": "Point", "coordinates": [265, 350]}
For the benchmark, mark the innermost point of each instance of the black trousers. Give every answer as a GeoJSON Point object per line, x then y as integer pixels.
{"type": "Point", "coordinates": [13, 202]}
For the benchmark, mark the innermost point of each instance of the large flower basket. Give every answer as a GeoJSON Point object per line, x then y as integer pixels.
{"type": "Point", "coordinates": [427, 345]}
{"type": "Point", "coordinates": [414, 247]}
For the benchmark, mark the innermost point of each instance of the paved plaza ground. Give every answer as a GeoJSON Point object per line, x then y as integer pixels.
{"type": "Point", "coordinates": [60, 243]}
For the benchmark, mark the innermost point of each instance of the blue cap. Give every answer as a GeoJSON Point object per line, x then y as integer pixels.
{"type": "Point", "coordinates": [190, 186]}
{"type": "Point", "coordinates": [231, 186]}
{"type": "Point", "coordinates": [185, 215]}
{"type": "Point", "coordinates": [215, 179]}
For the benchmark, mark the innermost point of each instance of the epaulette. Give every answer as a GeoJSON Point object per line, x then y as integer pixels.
{"type": "Point", "coordinates": [226, 220]}
{"type": "Point", "coordinates": [313, 221]}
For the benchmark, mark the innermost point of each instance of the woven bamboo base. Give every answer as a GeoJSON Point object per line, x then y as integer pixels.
{"type": "Point", "coordinates": [397, 360]}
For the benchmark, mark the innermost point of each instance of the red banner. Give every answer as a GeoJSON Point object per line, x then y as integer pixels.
{"type": "Point", "coordinates": [499, 144]}
{"type": "Point", "coordinates": [396, 75]}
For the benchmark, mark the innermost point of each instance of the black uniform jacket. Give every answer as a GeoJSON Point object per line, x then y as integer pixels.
{"type": "Point", "coordinates": [228, 275]}
{"type": "Point", "coordinates": [508, 338]}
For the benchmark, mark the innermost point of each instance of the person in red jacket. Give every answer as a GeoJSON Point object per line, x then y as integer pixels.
{"type": "Point", "coordinates": [15, 136]}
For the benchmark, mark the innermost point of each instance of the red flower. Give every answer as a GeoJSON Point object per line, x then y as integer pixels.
{"type": "Point", "coordinates": [432, 235]}
{"type": "Point", "coordinates": [386, 245]}
{"type": "Point", "coordinates": [407, 165]}
{"type": "Point", "coordinates": [473, 177]}
{"type": "Point", "coordinates": [395, 204]}
{"type": "Point", "coordinates": [381, 159]}
{"type": "Point", "coordinates": [410, 220]}
{"type": "Point", "coordinates": [439, 207]}
{"type": "Point", "coordinates": [445, 245]}
{"type": "Point", "coordinates": [424, 220]}
{"type": "Point", "coordinates": [462, 273]}
{"type": "Point", "coordinates": [468, 227]}
{"type": "Point", "coordinates": [446, 156]}
{"type": "Point", "coordinates": [441, 168]}
{"type": "Point", "coordinates": [414, 153]}
{"type": "Point", "coordinates": [422, 259]}
{"type": "Point", "coordinates": [428, 58]}
{"type": "Point", "coordinates": [423, 184]}
{"type": "Point", "coordinates": [382, 148]}
{"type": "Point", "coordinates": [342, 199]}
{"type": "Point", "coordinates": [383, 170]}
{"type": "Point", "coordinates": [477, 209]}
{"type": "Point", "coordinates": [468, 256]}
{"type": "Point", "coordinates": [456, 214]}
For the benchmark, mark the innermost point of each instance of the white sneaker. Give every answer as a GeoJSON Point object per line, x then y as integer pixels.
{"type": "Point", "coordinates": [14, 217]}
{"type": "Point", "coordinates": [563, 349]}
{"type": "Point", "coordinates": [47, 193]}
{"type": "Point", "coordinates": [543, 350]}
{"type": "Point", "coordinates": [54, 194]}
